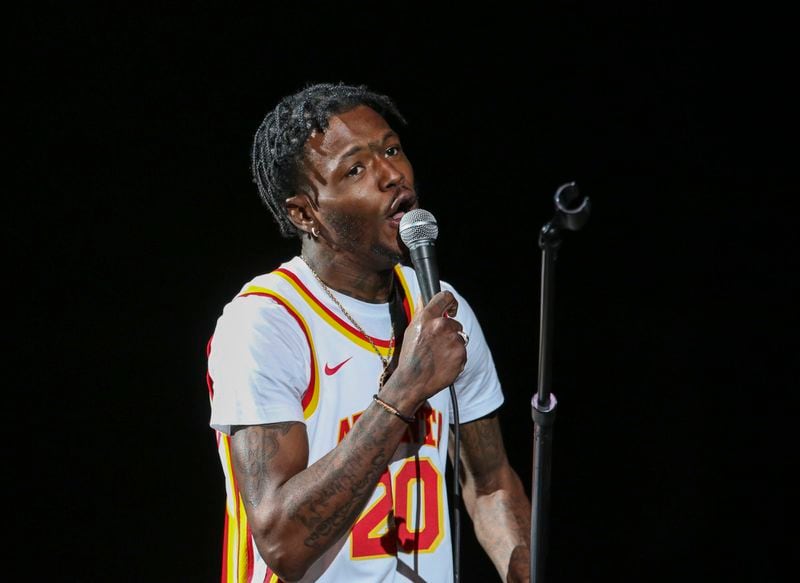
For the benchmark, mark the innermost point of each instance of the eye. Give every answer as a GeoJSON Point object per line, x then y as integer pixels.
{"type": "Point", "coordinates": [392, 151]}
{"type": "Point", "coordinates": [355, 170]}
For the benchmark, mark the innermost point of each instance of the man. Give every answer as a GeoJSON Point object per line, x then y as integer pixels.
{"type": "Point", "coordinates": [328, 377]}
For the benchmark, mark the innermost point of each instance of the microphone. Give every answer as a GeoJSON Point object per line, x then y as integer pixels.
{"type": "Point", "coordinates": [418, 231]}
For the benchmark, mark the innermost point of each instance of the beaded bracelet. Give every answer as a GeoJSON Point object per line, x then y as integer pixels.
{"type": "Point", "coordinates": [392, 410]}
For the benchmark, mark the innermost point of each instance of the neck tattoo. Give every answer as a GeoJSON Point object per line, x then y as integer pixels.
{"type": "Point", "coordinates": [384, 360]}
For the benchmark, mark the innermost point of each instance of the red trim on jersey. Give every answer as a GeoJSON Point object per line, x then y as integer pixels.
{"type": "Point", "coordinates": [308, 395]}
{"type": "Point", "coordinates": [209, 380]}
{"type": "Point", "coordinates": [250, 556]}
{"type": "Point", "coordinates": [343, 323]}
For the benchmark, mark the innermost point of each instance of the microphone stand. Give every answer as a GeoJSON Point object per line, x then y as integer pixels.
{"type": "Point", "coordinates": [571, 214]}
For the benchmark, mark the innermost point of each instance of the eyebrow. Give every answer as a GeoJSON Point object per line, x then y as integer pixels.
{"type": "Point", "coordinates": [356, 149]}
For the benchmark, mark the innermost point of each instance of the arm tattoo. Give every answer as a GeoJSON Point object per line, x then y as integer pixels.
{"type": "Point", "coordinates": [499, 506]}
{"type": "Point", "coordinates": [254, 451]}
{"type": "Point", "coordinates": [325, 519]}
{"type": "Point", "coordinates": [484, 442]}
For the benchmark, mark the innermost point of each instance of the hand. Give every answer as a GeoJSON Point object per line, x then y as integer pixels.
{"type": "Point", "coordinates": [433, 352]}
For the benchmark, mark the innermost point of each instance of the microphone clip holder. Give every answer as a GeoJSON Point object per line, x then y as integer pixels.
{"type": "Point", "coordinates": [572, 212]}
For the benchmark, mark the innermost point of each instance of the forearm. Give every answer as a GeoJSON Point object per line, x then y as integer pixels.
{"type": "Point", "coordinates": [305, 515]}
{"type": "Point", "coordinates": [495, 499]}
{"type": "Point", "coordinates": [327, 498]}
{"type": "Point", "coordinates": [502, 524]}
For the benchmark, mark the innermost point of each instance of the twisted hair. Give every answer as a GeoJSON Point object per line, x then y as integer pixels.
{"type": "Point", "coordinates": [278, 148]}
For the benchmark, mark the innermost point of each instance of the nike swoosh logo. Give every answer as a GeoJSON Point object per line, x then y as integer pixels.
{"type": "Point", "coordinates": [332, 370]}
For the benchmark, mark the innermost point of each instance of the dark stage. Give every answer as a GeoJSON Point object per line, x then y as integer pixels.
{"type": "Point", "coordinates": [673, 359]}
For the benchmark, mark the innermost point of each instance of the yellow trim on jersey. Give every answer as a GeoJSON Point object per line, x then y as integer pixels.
{"type": "Point", "coordinates": [310, 408]}
{"type": "Point", "coordinates": [243, 564]}
{"type": "Point", "coordinates": [406, 293]}
{"type": "Point", "coordinates": [314, 305]}
{"type": "Point", "coordinates": [434, 544]}
{"type": "Point", "coordinates": [236, 551]}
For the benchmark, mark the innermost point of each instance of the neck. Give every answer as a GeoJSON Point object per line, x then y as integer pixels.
{"type": "Point", "coordinates": [343, 274]}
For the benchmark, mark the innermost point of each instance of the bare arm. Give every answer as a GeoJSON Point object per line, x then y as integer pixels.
{"type": "Point", "coordinates": [296, 512]}
{"type": "Point", "coordinates": [495, 499]}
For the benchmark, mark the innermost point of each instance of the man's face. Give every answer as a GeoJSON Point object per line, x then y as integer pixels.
{"type": "Point", "coordinates": [363, 184]}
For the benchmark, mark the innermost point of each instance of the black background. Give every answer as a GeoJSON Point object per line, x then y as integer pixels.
{"type": "Point", "coordinates": [136, 221]}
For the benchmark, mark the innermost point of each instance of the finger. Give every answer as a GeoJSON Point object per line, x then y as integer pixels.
{"type": "Point", "coordinates": [442, 303]}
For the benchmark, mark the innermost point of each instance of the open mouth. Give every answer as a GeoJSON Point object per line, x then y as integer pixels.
{"type": "Point", "coordinates": [400, 206]}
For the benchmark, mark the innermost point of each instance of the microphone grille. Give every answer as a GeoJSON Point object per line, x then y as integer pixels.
{"type": "Point", "coordinates": [418, 226]}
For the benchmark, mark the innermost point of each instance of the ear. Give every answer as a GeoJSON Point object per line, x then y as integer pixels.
{"type": "Point", "coordinates": [301, 211]}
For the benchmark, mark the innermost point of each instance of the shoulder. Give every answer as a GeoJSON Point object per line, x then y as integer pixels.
{"type": "Point", "coordinates": [288, 276]}
{"type": "Point", "coordinates": [262, 306]}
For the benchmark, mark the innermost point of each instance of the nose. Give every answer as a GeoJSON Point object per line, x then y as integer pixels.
{"type": "Point", "coordinates": [390, 175]}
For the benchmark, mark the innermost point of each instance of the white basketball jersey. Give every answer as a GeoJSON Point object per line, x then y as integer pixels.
{"type": "Point", "coordinates": [283, 351]}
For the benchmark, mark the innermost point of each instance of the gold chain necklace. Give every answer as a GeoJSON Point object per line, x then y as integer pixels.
{"type": "Point", "coordinates": [385, 361]}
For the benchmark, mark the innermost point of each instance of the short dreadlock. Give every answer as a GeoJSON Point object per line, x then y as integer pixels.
{"type": "Point", "coordinates": [278, 147]}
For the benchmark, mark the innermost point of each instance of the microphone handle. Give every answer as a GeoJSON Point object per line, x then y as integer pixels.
{"type": "Point", "coordinates": [424, 259]}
